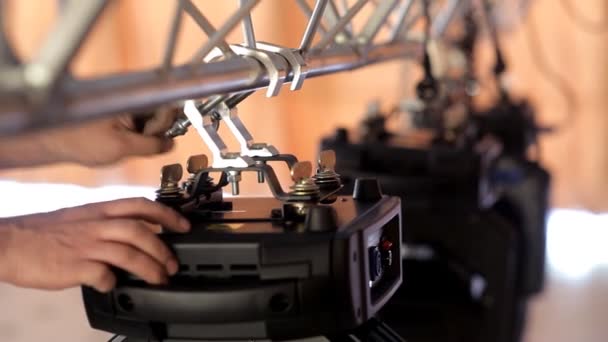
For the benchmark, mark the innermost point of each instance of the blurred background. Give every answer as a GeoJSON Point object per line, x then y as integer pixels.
{"type": "Point", "coordinates": [556, 58]}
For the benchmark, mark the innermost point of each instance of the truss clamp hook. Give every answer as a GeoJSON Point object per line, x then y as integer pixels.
{"type": "Point", "coordinates": [294, 58]}
{"type": "Point", "coordinates": [273, 63]}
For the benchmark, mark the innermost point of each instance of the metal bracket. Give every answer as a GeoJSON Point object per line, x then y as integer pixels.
{"type": "Point", "coordinates": [272, 180]}
{"type": "Point", "coordinates": [295, 60]}
{"type": "Point", "coordinates": [206, 129]}
{"type": "Point", "coordinates": [248, 147]}
{"type": "Point", "coordinates": [274, 65]}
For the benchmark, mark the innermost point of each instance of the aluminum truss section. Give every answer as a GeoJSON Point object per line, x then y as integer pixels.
{"type": "Point", "coordinates": [38, 93]}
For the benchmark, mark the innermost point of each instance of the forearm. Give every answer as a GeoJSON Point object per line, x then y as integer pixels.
{"type": "Point", "coordinates": [28, 150]}
{"type": "Point", "coordinates": [90, 144]}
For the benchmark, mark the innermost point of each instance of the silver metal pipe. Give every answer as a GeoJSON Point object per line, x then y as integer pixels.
{"type": "Point", "coordinates": [339, 26]}
{"type": "Point", "coordinates": [313, 25]}
{"type": "Point", "coordinates": [444, 18]}
{"type": "Point", "coordinates": [388, 23]}
{"type": "Point", "coordinates": [176, 24]}
{"type": "Point", "coordinates": [83, 100]}
{"type": "Point", "coordinates": [344, 9]}
{"type": "Point", "coordinates": [55, 55]}
{"type": "Point", "coordinates": [331, 16]}
{"type": "Point", "coordinates": [207, 27]}
{"type": "Point", "coordinates": [223, 31]}
{"type": "Point", "coordinates": [402, 14]}
{"type": "Point", "coordinates": [376, 21]}
{"type": "Point", "coordinates": [308, 12]}
{"type": "Point", "coordinates": [248, 32]}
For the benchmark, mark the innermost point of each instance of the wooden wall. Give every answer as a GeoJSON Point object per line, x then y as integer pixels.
{"type": "Point", "coordinates": [131, 36]}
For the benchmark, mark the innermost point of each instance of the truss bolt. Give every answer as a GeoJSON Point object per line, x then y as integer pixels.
{"type": "Point", "coordinates": [260, 173]}
{"type": "Point", "coordinates": [234, 177]}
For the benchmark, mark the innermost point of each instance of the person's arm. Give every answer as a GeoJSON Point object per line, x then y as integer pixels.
{"type": "Point", "coordinates": [91, 144]}
{"type": "Point", "coordinates": [78, 246]}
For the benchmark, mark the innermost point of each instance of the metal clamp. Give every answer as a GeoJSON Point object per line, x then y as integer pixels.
{"type": "Point", "coordinates": [205, 127]}
{"type": "Point", "coordinates": [180, 126]}
{"type": "Point", "coordinates": [295, 60]}
{"type": "Point", "coordinates": [274, 65]}
{"type": "Point", "coordinates": [248, 146]}
{"type": "Point", "coordinates": [272, 181]}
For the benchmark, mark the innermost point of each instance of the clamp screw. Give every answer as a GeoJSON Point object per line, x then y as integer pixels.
{"type": "Point", "coordinates": [260, 173]}
{"type": "Point", "coordinates": [196, 163]}
{"type": "Point", "coordinates": [326, 178]}
{"type": "Point", "coordinates": [234, 177]}
{"type": "Point", "coordinates": [169, 181]}
{"type": "Point", "coordinates": [304, 185]}
{"type": "Point", "coordinates": [301, 171]}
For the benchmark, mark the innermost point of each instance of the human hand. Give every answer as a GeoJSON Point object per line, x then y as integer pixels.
{"type": "Point", "coordinates": [93, 143]}
{"type": "Point", "coordinates": [77, 246]}
{"type": "Point", "coordinates": [111, 140]}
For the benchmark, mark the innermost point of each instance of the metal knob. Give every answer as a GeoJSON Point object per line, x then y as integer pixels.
{"type": "Point", "coordinates": [301, 171]}
{"type": "Point", "coordinates": [196, 163]}
{"type": "Point", "coordinates": [304, 185]}
{"type": "Point", "coordinates": [171, 174]}
{"type": "Point", "coordinates": [326, 178]}
{"type": "Point", "coordinates": [327, 160]}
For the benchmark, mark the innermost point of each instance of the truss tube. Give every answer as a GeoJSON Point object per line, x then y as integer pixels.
{"type": "Point", "coordinates": [82, 100]}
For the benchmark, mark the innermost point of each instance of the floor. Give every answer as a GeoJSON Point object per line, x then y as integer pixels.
{"type": "Point", "coordinates": [573, 307]}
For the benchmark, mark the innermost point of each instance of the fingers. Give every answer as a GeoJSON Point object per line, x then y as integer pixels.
{"type": "Point", "coordinates": [144, 145]}
{"type": "Point", "coordinates": [129, 259]}
{"type": "Point", "coordinates": [96, 275]}
{"type": "Point", "coordinates": [139, 234]}
{"type": "Point", "coordinates": [129, 245]}
{"type": "Point", "coordinates": [147, 210]}
{"type": "Point", "coordinates": [139, 208]}
{"type": "Point", "coordinates": [160, 122]}
{"type": "Point", "coordinates": [147, 139]}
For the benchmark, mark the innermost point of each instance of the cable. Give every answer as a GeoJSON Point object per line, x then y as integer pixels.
{"type": "Point", "coordinates": [550, 75]}
{"type": "Point", "coordinates": [427, 89]}
{"type": "Point", "coordinates": [500, 67]}
{"type": "Point", "coordinates": [586, 24]}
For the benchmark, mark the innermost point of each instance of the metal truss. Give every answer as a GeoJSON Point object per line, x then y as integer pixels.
{"type": "Point", "coordinates": [41, 92]}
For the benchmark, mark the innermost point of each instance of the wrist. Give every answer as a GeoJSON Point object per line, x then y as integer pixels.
{"type": "Point", "coordinates": [53, 147]}
{"type": "Point", "coordinates": [31, 150]}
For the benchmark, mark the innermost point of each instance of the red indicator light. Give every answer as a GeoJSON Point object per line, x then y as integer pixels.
{"type": "Point", "coordinates": [387, 245]}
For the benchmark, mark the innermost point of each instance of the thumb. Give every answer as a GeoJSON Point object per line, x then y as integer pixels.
{"type": "Point", "coordinates": [145, 145]}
